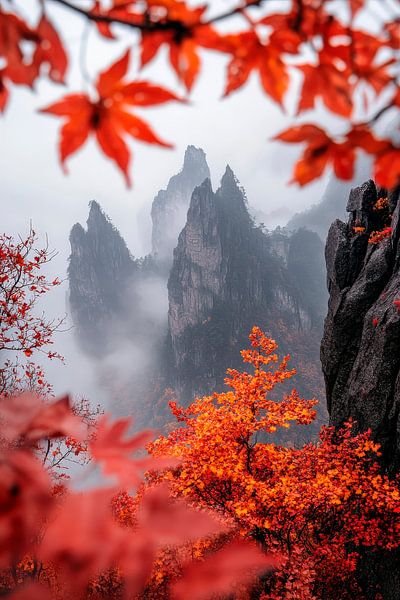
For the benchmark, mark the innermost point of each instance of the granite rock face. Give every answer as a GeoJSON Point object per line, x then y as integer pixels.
{"type": "Point", "coordinates": [169, 208]}
{"type": "Point", "coordinates": [227, 276]}
{"type": "Point", "coordinates": [360, 350]}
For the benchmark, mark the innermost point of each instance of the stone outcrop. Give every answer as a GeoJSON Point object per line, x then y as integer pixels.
{"type": "Point", "coordinates": [100, 271]}
{"type": "Point", "coordinates": [169, 208]}
{"type": "Point", "coordinates": [332, 205]}
{"type": "Point", "coordinates": [360, 350]}
{"type": "Point", "coordinates": [229, 275]}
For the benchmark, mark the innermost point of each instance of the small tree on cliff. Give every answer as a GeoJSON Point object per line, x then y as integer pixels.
{"type": "Point", "coordinates": [319, 506]}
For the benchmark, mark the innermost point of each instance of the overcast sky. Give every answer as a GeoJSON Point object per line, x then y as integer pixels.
{"type": "Point", "coordinates": [235, 131]}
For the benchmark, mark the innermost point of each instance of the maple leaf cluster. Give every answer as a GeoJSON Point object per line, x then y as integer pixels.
{"type": "Point", "coordinates": [56, 542]}
{"type": "Point", "coordinates": [320, 507]}
{"type": "Point", "coordinates": [314, 50]}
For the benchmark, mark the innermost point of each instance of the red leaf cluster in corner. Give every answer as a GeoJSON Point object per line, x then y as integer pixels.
{"type": "Point", "coordinates": [322, 151]}
{"type": "Point", "coordinates": [323, 55]}
{"type": "Point", "coordinates": [22, 66]}
{"type": "Point", "coordinates": [65, 543]}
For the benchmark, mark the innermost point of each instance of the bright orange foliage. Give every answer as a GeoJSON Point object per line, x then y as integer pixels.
{"type": "Point", "coordinates": [378, 236]}
{"type": "Point", "coordinates": [319, 506]}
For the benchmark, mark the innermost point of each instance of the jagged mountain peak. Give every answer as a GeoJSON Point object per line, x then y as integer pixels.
{"type": "Point", "coordinates": [97, 217]}
{"type": "Point", "coordinates": [226, 276]}
{"type": "Point", "coordinates": [195, 157]}
{"type": "Point", "coordinates": [100, 272]}
{"type": "Point", "coordinates": [170, 206]}
{"type": "Point", "coordinates": [228, 175]}
{"type": "Point", "coordinates": [231, 195]}
{"type": "Point", "coordinates": [205, 186]}
{"type": "Point", "coordinates": [94, 206]}
{"type": "Point", "coordinates": [201, 203]}
{"type": "Point", "coordinates": [77, 233]}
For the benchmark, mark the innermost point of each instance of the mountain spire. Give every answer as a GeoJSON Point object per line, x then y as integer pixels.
{"type": "Point", "coordinates": [170, 206]}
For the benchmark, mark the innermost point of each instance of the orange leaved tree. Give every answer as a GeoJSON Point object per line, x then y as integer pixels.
{"type": "Point", "coordinates": [320, 507]}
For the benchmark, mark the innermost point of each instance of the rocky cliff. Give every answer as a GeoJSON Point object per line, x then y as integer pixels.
{"type": "Point", "coordinates": [332, 206]}
{"type": "Point", "coordinates": [169, 208]}
{"type": "Point", "coordinates": [227, 276]}
{"type": "Point", "coordinates": [100, 272]}
{"type": "Point", "coordinates": [360, 349]}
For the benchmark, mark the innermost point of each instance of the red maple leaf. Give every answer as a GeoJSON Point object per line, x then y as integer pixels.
{"type": "Point", "coordinates": [50, 51]}
{"type": "Point", "coordinates": [14, 33]}
{"type": "Point", "coordinates": [183, 39]}
{"type": "Point", "coordinates": [109, 117]}
{"type": "Point", "coordinates": [329, 83]}
{"type": "Point", "coordinates": [29, 417]}
{"type": "Point", "coordinates": [171, 521]}
{"type": "Point", "coordinates": [249, 54]}
{"type": "Point", "coordinates": [4, 93]}
{"type": "Point", "coordinates": [355, 6]}
{"type": "Point", "coordinates": [387, 168]}
{"type": "Point", "coordinates": [321, 150]}
{"type": "Point", "coordinates": [81, 525]}
{"type": "Point", "coordinates": [124, 10]}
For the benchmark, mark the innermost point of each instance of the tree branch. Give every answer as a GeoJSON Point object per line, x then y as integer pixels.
{"type": "Point", "coordinates": [149, 26]}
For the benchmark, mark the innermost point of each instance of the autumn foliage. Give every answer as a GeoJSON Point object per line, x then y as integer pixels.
{"type": "Point", "coordinates": [56, 542]}
{"type": "Point", "coordinates": [24, 330]}
{"type": "Point", "coordinates": [313, 55]}
{"type": "Point", "coordinates": [320, 507]}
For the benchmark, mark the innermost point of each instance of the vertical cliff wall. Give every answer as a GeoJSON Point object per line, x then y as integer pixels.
{"type": "Point", "coordinates": [360, 350]}
{"type": "Point", "coordinates": [100, 271]}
